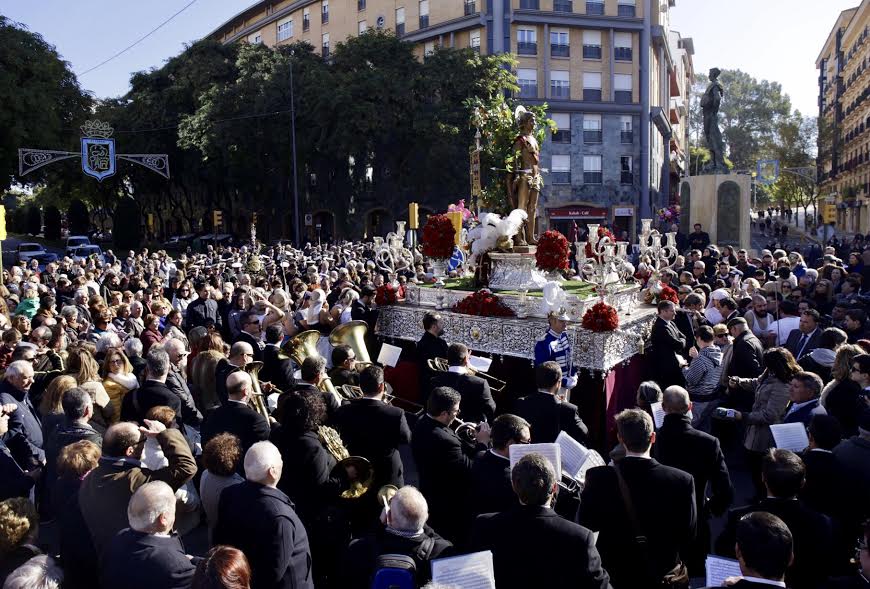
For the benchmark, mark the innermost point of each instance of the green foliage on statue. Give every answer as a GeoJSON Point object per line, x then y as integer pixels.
{"type": "Point", "coordinates": [41, 99]}
{"type": "Point", "coordinates": [127, 224]}
{"type": "Point", "coordinates": [78, 219]}
{"type": "Point", "coordinates": [34, 220]}
{"type": "Point", "coordinates": [52, 223]}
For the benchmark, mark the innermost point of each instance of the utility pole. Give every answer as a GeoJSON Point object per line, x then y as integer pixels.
{"type": "Point", "coordinates": [297, 233]}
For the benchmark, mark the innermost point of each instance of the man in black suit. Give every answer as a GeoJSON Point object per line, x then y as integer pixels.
{"type": "Point", "coordinates": [546, 414]}
{"type": "Point", "coordinates": [374, 430]}
{"type": "Point", "coordinates": [203, 311]}
{"type": "Point", "coordinates": [261, 521]}
{"type": "Point", "coordinates": [147, 554]}
{"type": "Point", "coordinates": [532, 545]}
{"type": "Point", "coordinates": [361, 309]}
{"type": "Point", "coordinates": [824, 474]}
{"type": "Point", "coordinates": [250, 333]}
{"type": "Point", "coordinates": [236, 416]}
{"type": "Point", "coordinates": [14, 482]}
{"type": "Point", "coordinates": [805, 338]}
{"type": "Point", "coordinates": [699, 239]}
{"type": "Point", "coordinates": [764, 549]}
{"type": "Point", "coordinates": [241, 354]}
{"type": "Point", "coordinates": [444, 462]}
{"type": "Point", "coordinates": [491, 490]}
{"type": "Point", "coordinates": [681, 446]}
{"type": "Point", "coordinates": [783, 475]}
{"type": "Point", "coordinates": [667, 345]}
{"type": "Point", "coordinates": [344, 366]}
{"type": "Point", "coordinates": [276, 370]}
{"type": "Point", "coordinates": [153, 391]}
{"type": "Point", "coordinates": [690, 319]}
{"type": "Point", "coordinates": [477, 403]}
{"type": "Point", "coordinates": [313, 371]}
{"type": "Point", "coordinates": [747, 361]}
{"type": "Point", "coordinates": [24, 437]}
{"type": "Point", "coordinates": [661, 497]}
{"type": "Point", "coordinates": [432, 345]}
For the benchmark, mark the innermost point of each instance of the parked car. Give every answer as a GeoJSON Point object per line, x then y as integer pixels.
{"type": "Point", "coordinates": [179, 241]}
{"type": "Point", "coordinates": [34, 251]}
{"type": "Point", "coordinates": [86, 251]}
{"type": "Point", "coordinates": [75, 241]}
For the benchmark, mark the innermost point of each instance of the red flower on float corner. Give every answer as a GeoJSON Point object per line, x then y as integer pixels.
{"type": "Point", "coordinates": [601, 317]}
{"type": "Point", "coordinates": [668, 294]}
{"type": "Point", "coordinates": [552, 252]}
{"type": "Point", "coordinates": [483, 303]}
{"type": "Point", "coordinates": [438, 237]}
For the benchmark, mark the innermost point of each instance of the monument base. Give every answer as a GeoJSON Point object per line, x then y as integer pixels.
{"type": "Point", "coordinates": [514, 271]}
{"type": "Point", "coordinates": [720, 203]}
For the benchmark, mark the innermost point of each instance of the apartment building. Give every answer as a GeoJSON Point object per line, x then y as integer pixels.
{"type": "Point", "coordinates": [844, 119]}
{"type": "Point", "coordinates": [622, 139]}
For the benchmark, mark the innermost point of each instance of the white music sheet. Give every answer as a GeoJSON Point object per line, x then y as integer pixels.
{"type": "Point", "coordinates": [469, 571]}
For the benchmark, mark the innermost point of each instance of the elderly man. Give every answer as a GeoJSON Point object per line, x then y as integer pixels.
{"type": "Point", "coordinates": [153, 391]}
{"type": "Point", "coordinates": [563, 553]}
{"type": "Point", "coordinates": [667, 346]}
{"type": "Point", "coordinates": [24, 438]}
{"type": "Point", "coordinates": [404, 532]}
{"type": "Point", "coordinates": [135, 324]}
{"type": "Point", "coordinates": [106, 491]}
{"type": "Point", "coordinates": [804, 391]}
{"type": "Point", "coordinates": [236, 416]}
{"type": "Point", "coordinates": [258, 519]}
{"type": "Point", "coordinates": [147, 554]}
{"type": "Point", "coordinates": [241, 354]}
{"type": "Point", "coordinates": [176, 381]}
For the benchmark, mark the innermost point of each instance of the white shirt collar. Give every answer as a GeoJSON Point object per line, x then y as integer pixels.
{"type": "Point", "coordinates": [796, 406]}
{"type": "Point", "coordinates": [494, 453]}
{"type": "Point", "coordinates": [764, 581]}
{"type": "Point", "coordinates": [457, 369]}
{"type": "Point", "coordinates": [645, 456]}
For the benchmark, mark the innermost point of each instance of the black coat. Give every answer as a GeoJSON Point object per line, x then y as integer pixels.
{"type": "Point", "coordinates": [270, 534]}
{"type": "Point", "coordinates": [667, 343]}
{"type": "Point", "coordinates": [143, 561]}
{"type": "Point", "coordinates": [491, 490]}
{"type": "Point", "coordinates": [237, 419]}
{"type": "Point", "coordinates": [547, 417]}
{"type": "Point", "coordinates": [372, 429]}
{"type": "Point", "coordinates": [477, 403]}
{"type": "Point", "coordinates": [24, 437]}
{"type": "Point", "coordinates": [330, 400]}
{"type": "Point", "coordinates": [792, 343]}
{"type": "Point", "coordinates": [747, 357]}
{"type": "Point", "coordinates": [844, 403]}
{"type": "Point", "coordinates": [221, 373]}
{"type": "Point", "coordinates": [359, 311]}
{"type": "Point", "coordinates": [563, 553]}
{"type": "Point", "coordinates": [664, 500]}
{"type": "Point", "coordinates": [254, 342]}
{"type": "Point", "coordinates": [78, 554]}
{"type": "Point", "coordinates": [811, 533]}
{"type": "Point", "coordinates": [744, 584]}
{"type": "Point", "coordinates": [177, 383]}
{"type": "Point", "coordinates": [429, 347]}
{"type": "Point", "coordinates": [64, 435]}
{"type": "Point", "coordinates": [277, 370]}
{"type": "Point", "coordinates": [808, 363]}
{"type": "Point", "coordinates": [13, 481]}
{"type": "Point", "coordinates": [203, 313]}
{"type": "Point", "coordinates": [444, 464]}
{"type": "Point", "coordinates": [152, 393]}
{"type": "Point", "coordinates": [825, 480]}
{"type": "Point", "coordinates": [683, 322]}
{"type": "Point", "coordinates": [359, 561]}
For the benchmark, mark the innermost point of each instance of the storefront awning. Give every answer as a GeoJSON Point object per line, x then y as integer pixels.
{"type": "Point", "coordinates": [578, 212]}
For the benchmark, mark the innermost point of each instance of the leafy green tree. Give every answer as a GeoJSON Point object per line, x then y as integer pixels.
{"type": "Point", "coordinates": [52, 223]}
{"type": "Point", "coordinates": [795, 149]}
{"type": "Point", "coordinates": [42, 100]}
{"type": "Point", "coordinates": [34, 220]}
{"type": "Point", "coordinates": [127, 224]}
{"type": "Point", "coordinates": [78, 218]}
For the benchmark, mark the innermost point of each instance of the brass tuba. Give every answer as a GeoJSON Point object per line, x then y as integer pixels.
{"type": "Point", "coordinates": [366, 474]}
{"type": "Point", "coordinates": [258, 400]}
{"type": "Point", "coordinates": [302, 346]}
{"type": "Point", "coordinates": [353, 334]}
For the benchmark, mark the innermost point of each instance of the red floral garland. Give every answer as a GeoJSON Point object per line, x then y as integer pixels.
{"type": "Point", "coordinates": [601, 317]}
{"type": "Point", "coordinates": [602, 232]}
{"type": "Point", "coordinates": [439, 237]}
{"type": "Point", "coordinates": [669, 294]}
{"type": "Point", "coordinates": [552, 252]}
{"type": "Point", "coordinates": [483, 303]}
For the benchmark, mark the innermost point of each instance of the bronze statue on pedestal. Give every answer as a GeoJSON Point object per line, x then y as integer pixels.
{"type": "Point", "coordinates": [524, 183]}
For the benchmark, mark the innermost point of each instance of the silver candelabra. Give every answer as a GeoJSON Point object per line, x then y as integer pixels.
{"type": "Point", "coordinates": [656, 256]}
{"type": "Point", "coordinates": [608, 266]}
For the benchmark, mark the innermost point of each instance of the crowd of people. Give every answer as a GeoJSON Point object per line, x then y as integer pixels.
{"type": "Point", "coordinates": [136, 424]}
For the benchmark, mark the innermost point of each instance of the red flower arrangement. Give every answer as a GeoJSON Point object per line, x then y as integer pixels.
{"type": "Point", "coordinates": [602, 232]}
{"type": "Point", "coordinates": [484, 304]}
{"type": "Point", "coordinates": [601, 317]}
{"type": "Point", "coordinates": [669, 294]}
{"type": "Point", "coordinates": [552, 252]}
{"type": "Point", "coordinates": [438, 237]}
{"type": "Point", "coordinates": [386, 295]}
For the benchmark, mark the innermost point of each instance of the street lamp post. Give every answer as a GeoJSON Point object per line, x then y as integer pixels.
{"type": "Point", "coordinates": [297, 232]}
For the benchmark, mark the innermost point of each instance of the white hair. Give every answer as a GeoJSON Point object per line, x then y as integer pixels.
{"type": "Point", "coordinates": [133, 347]}
{"type": "Point", "coordinates": [136, 305]}
{"type": "Point", "coordinates": [19, 368]}
{"type": "Point", "coordinates": [408, 509]}
{"type": "Point", "coordinates": [69, 311]}
{"type": "Point", "coordinates": [108, 340]}
{"type": "Point", "coordinates": [40, 572]}
{"type": "Point", "coordinates": [259, 459]}
{"type": "Point", "coordinates": [82, 292]}
{"type": "Point", "coordinates": [148, 503]}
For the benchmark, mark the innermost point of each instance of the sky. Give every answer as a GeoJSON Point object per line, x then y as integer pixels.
{"type": "Point", "coordinates": [769, 39]}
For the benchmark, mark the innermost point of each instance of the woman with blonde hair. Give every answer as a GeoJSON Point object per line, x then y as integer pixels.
{"type": "Point", "coordinates": [50, 407]}
{"type": "Point", "coordinates": [839, 396]}
{"type": "Point", "coordinates": [118, 379]}
{"type": "Point", "coordinates": [202, 372]}
{"type": "Point", "coordinates": [82, 365]}
{"type": "Point", "coordinates": [19, 526]}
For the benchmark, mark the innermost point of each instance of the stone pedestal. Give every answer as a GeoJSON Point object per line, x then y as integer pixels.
{"type": "Point", "coordinates": [514, 272]}
{"type": "Point", "coordinates": [720, 203]}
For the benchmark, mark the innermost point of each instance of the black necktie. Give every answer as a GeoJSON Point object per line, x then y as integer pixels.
{"type": "Point", "coordinates": [801, 345]}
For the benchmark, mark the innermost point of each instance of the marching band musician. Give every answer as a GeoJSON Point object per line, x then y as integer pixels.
{"type": "Point", "coordinates": [477, 403]}
{"type": "Point", "coordinates": [491, 489]}
{"type": "Point", "coordinates": [544, 411]}
{"type": "Point", "coordinates": [432, 345]}
{"type": "Point", "coordinates": [556, 347]}
{"type": "Point", "coordinates": [344, 366]}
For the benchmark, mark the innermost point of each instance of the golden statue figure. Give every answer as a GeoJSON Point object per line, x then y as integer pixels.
{"type": "Point", "coordinates": [524, 183]}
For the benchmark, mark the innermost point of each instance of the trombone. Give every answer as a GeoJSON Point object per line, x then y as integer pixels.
{"type": "Point", "coordinates": [440, 365]}
{"type": "Point", "coordinates": [349, 392]}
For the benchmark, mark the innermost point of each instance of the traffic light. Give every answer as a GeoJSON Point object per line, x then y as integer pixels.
{"type": "Point", "coordinates": [2, 222]}
{"type": "Point", "coordinates": [217, 218]}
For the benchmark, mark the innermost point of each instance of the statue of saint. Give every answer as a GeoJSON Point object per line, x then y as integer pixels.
{"type": "Point", "coordinates": [710, 102]}
{"type": "Point", "coordinates": [524, 183]}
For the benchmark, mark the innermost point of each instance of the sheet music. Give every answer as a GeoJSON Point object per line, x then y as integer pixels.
{"type": "Point", "coordinates": [658, 414]}
{"type": "Point", "coordinates": [790, 436]}
{"type": "Point", "coordinates": [469, 571]}
{"type": "Point", "coordinates": [479, 363]}
{"type": "Point", "coordinates": [719, 569]}
{"type": "Point", "coordinates": [572, 453]}
{"type": "Point", "coordinates": [550, 451]}
{"type": "Point", "coordinates": [389, 355]}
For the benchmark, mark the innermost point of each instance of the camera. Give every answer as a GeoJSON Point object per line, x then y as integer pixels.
{"type": "Point", "coordinates": [723, 413]}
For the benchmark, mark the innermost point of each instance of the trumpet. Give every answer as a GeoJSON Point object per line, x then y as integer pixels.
{"type": "Point", "coordinates": [440, 365]}
{"type": "Point", "coordinates": [465, 430]}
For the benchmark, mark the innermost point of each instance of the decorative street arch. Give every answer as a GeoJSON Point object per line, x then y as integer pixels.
{"type": "Point", "coordinates": [97, 155]}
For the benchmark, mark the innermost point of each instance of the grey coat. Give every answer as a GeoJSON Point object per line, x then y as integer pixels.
{"type": "Point", "coordinates": [771, 399]}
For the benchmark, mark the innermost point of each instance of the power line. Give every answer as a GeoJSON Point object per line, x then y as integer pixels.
{"type": "Point", "coordinates": [148, 34]}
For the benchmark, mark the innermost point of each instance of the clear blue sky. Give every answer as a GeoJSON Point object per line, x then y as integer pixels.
{"type": "Point", "coordinates": [773, 39]}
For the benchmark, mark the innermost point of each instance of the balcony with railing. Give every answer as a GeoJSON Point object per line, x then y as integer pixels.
{"type": "Point", "coordinates": [527, 48]}
{"type": "Point", "coordinates": [470, 7]}
{"type": "Point", "coordinates": [560, 177]}
{"type": "Point", "coordinates": [592, 95]}
{"type": "Point", "coordinates": [592, 52]}
{"type": "Point", "coordinates": [560, 90]}
{"type": "Point", "coordinates": [424, 21]}
{"type": "Point", "coordinates": [592, 136]}
{"type": "Point", "coordinates": [559, 50]}
{"type": "Point", "coordinates": [528, 89]}
{"type": "Point", "coordinates": [324, 15]}
{"type": "Point", "coordinates": [622, 96]}
{"type": "Point", "coordinates": [561, 136]}
{"type": "Point", "coordinates": [325, 50]}
{"type": "Point", "coordinates": [626, 10]}
{"type": "Point", "coordinates": [563, 6]}
{"type": "Point", "coordinates": [626, 178]}
{"type": "Point", "coordinates": [530, 4]}
{"type": "Point", "coordinates": [400, 29]}
{"type": "Point", "coordinates": [306, 22]}
{"type": "Point", "coordinates": [626, 136]}
{"type": "Point", "coordinates": [592, 177]}
{"type": "Point", "coordinates": [594, 8]}
{"type": "Point", "coordinates": [623, 53]}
